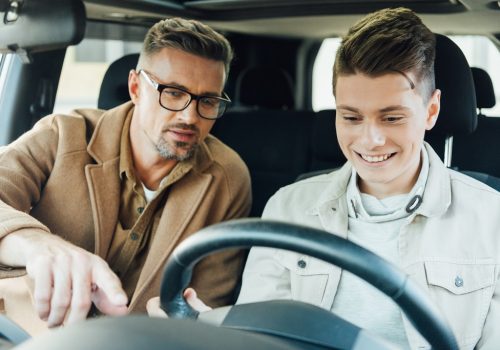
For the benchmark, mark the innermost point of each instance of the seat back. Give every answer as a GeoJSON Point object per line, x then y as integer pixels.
{"type": "Point", "coordinates": [114, 86]}
{"type": "Point", "coordinates": [458, 114]}
{"type": "Point", "coordinates": [274, 144]}
{"type": "Point", "coordinates": [325, 149]}
{"type": "Point", "coordinates": [479, 151]}
{"type": "Point", "coordinates": [264, 87]}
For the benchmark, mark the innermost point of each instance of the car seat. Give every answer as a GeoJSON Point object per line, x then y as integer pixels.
{"type": "Point", "coordinates": [271, 137]}
{"type": "Point", "coordinates": [478, 152]}
{"type": "Point", "coordinates": [458, 114]}
{"type": "Point", "coordinates": [114, 86]}
{"type": "Point", "coordinates": [264, 87]}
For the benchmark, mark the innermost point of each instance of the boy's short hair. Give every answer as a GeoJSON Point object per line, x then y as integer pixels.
{"type": "Point", "coordinates": [389, 40]}
{"type": "Point", "coordinates": [190, 36]}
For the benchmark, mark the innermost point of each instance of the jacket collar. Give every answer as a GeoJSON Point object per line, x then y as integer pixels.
{"type": "Point", "coordinates": [436, 197]}
{"type": "Point", "coordinates": [336, 187]}
{"type": "Point", "coordinates": [437, 192]}
{"type": "Point", "coordinates": [331, 206]}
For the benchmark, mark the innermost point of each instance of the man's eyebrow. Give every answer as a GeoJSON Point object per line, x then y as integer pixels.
{"type": "Point", "coordinates": [180, 86]}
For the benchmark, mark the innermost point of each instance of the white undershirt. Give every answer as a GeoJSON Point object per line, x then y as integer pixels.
{"type": "Point", "coordinates": [148, 193]}
{"type": "Point", "coordinates": [375, 224]}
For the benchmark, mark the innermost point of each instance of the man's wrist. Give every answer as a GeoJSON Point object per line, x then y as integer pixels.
{"type": "Point", "coordinates": [18, 246]}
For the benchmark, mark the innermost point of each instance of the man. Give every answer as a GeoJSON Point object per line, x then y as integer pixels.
{"type": "Point", "coordinates": [394, 196]}
{"type": "Point", "coordinates": [92, 203]}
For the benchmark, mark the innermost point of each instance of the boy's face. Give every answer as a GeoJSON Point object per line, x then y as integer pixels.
{"type": "Point", "coordinates": [380, 125]}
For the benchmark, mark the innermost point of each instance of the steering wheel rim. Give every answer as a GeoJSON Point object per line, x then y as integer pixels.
{"type": "Point", "coordinates": [245, 233]}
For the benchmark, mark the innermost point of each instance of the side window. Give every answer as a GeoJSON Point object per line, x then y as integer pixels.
{"type": "Point", "coordinates": [482, 53]}
{"type": "Point", "coordinates": [2, 72]}
{"type": "Point", "coordinates": [4, 66]}
{"type": "Point", "coordinates": [479, 51]}
{"type": "Point", "coordinates": [322, 97]}
{"type": "Point", "coordinates": [83, 70]}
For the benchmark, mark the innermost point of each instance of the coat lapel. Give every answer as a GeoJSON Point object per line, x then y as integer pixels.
{"type": "Point", "coordinates": [104, 187]}
{"type": "Point", "coordinates": [182, 203]}
{"type": "Point", "coordinates": [103, 177]}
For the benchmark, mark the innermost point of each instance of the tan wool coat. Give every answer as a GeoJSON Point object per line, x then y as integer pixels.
{"type": "Point", "coordinates": [63, 177]}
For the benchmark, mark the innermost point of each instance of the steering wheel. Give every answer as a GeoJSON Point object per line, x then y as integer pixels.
{"type": "Point", "coordinates": [313, 242]}
{"type": "Point", "coordinates": [281, 324]}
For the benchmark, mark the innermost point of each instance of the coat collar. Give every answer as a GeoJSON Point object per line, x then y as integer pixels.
{"type": "Point", "coordinates": [105, 142]}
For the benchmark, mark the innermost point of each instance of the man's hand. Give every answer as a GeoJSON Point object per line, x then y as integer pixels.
{"type": "Point", "coordinates": [67, 279]}
{"type": "Point", "coordinates": [154, 310]}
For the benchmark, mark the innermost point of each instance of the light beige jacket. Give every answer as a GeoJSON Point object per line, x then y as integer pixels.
{"type": "Point", "coordinates": [63, 177]}
{"type": "Point", "coordinates": [455, 232]}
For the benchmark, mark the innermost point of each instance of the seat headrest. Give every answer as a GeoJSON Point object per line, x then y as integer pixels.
{"type": "Point", "coordinates": [264, 87]}
{"type": "Point", "coordinates": [114, 87]}
{"type": "Point", "coordinates": [485, 94]}
{"type": "Point", "coordinates": [458, 113]}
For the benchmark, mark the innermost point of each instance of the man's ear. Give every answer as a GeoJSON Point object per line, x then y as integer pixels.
{"type": "Point", "coordinates": [433, 107]}
{"type": "Point", "coordinates": [133, 85]}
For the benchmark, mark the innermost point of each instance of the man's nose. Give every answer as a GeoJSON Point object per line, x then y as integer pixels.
{"type": "Point", "coordinates": [189, 115]}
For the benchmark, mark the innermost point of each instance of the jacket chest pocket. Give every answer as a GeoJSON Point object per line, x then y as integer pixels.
{"type": "Point", "coordinates": [308, 276]}
{"type": "Point", "coordinates": [463, 293]}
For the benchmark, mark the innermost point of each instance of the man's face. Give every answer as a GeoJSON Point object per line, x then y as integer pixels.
{"type": "Point", "coordinates": [380, 125]}
{"type": "Point", "coordinates": [168, 134]}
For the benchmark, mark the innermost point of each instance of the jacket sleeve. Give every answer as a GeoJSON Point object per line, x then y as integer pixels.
{"type": "Point", "coordinates": [264, 278]}
{"type": "Point", "coordinates": [25, 166]}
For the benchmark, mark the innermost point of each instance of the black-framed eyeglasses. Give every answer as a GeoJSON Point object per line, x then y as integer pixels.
{"type": "Point", "coordinates": [176, 99]}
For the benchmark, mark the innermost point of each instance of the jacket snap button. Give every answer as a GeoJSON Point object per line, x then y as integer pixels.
{"type": "Point", "coordinates": [459, 282]}
{"type": "Point", "coordinates": [134, 236]}
{"type": "Point", "coordinates": [302, 264]}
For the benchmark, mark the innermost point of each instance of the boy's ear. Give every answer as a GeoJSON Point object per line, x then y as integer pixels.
{"type": "Point", "coordinates": [433, 108]}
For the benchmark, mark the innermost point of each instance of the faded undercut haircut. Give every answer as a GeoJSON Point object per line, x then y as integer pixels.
{"type": "Point", "coordinates": [389, 40]}
{"type": "Point", "coordinates": [190, 36]}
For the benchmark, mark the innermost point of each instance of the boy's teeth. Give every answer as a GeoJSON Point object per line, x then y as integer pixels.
{"type": "Point", "coordinates": [375, 159]}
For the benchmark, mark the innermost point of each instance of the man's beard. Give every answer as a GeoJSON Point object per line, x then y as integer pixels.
{"type": "Point", "coordinates": [168, 152]}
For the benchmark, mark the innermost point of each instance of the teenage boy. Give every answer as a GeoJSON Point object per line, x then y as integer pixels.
{"type": "Point", "coordinates": [394, 196]}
